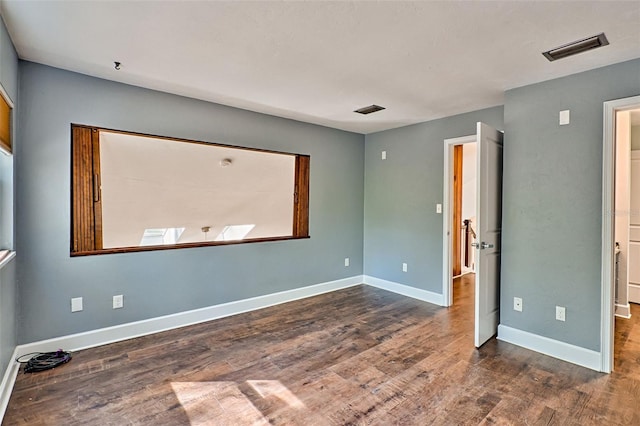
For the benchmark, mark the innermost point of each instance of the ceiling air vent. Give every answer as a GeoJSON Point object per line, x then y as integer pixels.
{"type": "Point", "coordinates": [369, 109]}
{"type": "Point", "coordinates": [576, 47]}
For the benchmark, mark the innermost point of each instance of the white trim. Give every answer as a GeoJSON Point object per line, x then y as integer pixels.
{"type": "Point", "coordinates": [93, 338]}
{"type": "Point", "coordinates": [8, 380]}
{"type": "Point", "coordinates": [623, 311]}
{"type": "Point", "coordinates": [608, 177]}
{"type": "Point", "coordinates": [7, 259]}
{"type": "Point", "coordinates": [103, 336]}
{"type": "Point", "coordinates": [634, 293]}
{"type": "Point", "coordinates": [554, 348]}
{"type": "Point", "coordinates": [405, 290]}
{"type": "Point", "coordinates": [447, 293]}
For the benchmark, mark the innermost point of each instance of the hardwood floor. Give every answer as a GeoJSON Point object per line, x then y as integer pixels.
{"type": "Point", "coordinates": [355, 356]}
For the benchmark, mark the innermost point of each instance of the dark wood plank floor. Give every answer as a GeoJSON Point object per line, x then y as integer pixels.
{"type": "Point", "coordinates": [356, 356]}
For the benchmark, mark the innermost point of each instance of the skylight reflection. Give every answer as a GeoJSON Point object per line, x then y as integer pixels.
{"type": "Point", "coordinates": [161, 236]}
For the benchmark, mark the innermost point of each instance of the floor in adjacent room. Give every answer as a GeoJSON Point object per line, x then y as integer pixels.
{"type": "Point", "coordinates": [354, 356]}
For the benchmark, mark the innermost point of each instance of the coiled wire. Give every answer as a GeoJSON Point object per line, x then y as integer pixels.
{"type": "Point", "coordinates": [41, 361]}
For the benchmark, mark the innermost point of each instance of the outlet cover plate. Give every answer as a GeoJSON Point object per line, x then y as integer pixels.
{"type": "Point", "coordinates": [118, 301]}
{"type": "Point", "coordinates": [517, 304]}
{"type": "Point", "coordinates": [561, 313]}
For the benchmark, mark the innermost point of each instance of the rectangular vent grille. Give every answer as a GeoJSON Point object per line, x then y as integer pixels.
{"type": "Point", "coordinates": [369, 109]}
{"type": "Point", "coordinates": [576, 47]}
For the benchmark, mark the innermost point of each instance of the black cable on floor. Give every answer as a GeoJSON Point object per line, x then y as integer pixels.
{"type": "Point", "coordinates": [41, 361]}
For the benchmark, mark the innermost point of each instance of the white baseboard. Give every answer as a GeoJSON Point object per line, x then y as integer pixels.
{"type": "Point", "coordinates": [93, 338]}
{"type": "Point", "coordinates": [8, 380]}
{"type": "Point", "coordinates": [554, 348]}
{"type": "Point", "coordinates": [623, 311]}
{"type": "Point", "coordinates": [405, 290]}
{"type": "Point", "coordinates": [103, 336]}
{"type": "Point", "coordinates": [634, 293]}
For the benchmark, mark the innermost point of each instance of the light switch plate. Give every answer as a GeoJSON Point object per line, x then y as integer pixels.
{"type": "Point", "coordinates": [118, 301]}
{"type": "Point", "coordinates": [346, 261]}
{"type": "Point", "coordinates": [438, 208]}
{"type": "Point", "coordinates": [565, 117]}
{"type": "Point", "coordinates": [76, 304]}
{"type": "Point", "coordinates": [384, 155]}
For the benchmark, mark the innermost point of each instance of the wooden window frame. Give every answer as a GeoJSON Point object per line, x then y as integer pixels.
{"type": "Point", "coordinates": [86, 200]}
{"type": "Point", "coordinates": [6, 143]}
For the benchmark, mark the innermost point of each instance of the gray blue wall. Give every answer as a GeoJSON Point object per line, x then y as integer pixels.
{"type": "Point", "coordinates": [8, 314]}
{"type": "Point", "coordinates": [378, 213]}
{"type": "Point", "coordinates": [9, 81]}
{"type": "Point", "coordinates": [552, 202]}
{"type": "Point", "coordinates": [8, 300]}
{"type": "Point", "coordinates": [401, 193]}
{"type": "Point", "coordinates": [164, 282]}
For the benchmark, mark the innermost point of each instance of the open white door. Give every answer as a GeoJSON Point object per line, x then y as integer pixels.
{"type": "Point", "coordinates": [489, 211]}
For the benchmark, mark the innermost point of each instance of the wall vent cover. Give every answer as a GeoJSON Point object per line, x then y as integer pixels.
{"type": "Point", "coordinates": [369, 109]}
{"type": "Point", "coordinates": [576, 47]}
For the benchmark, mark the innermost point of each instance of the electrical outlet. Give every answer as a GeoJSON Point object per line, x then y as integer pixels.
{"type": "Point", "coordinates": [404, 267]}
{"type": "Point", "coordinates": [346, 261]}
{"type": "Point", "coordinates": [560, 313]}
{"type": "Point", "coordinates": [118, 301]}
{"type": "Point", "coordinates": [517, 304]}
{"type": "Point", "coordinates": [76, 304]}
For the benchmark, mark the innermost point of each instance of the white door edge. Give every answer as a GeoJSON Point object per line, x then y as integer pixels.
{"type": "Point", "coordinates": [486, 323]}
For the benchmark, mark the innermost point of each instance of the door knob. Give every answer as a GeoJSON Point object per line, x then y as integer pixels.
{"type": "Point", "coordinates": [476, 245]}
{"type": "Point", "coordinates": [485, 245]}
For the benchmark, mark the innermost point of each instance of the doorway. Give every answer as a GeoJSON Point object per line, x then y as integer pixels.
{"type": "Point", "coordinates": [618, 221]}
{"type": "Point", "coordinates": [488, 211]}
{"type": "Point", "coordinates": [463, 211]}
{"type": "Point", "coordinates": [454, 243]}
{"type": "Point", "coordinates": [462, 232]}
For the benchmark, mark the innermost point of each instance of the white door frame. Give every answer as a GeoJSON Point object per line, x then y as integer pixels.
{"type": "Point", "coordinates": [447, 271]}
{"type": "Point", "coordinates": [608, 209]}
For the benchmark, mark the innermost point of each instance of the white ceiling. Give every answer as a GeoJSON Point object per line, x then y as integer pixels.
{"type": "Point", "coordinates": [318, 61]}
